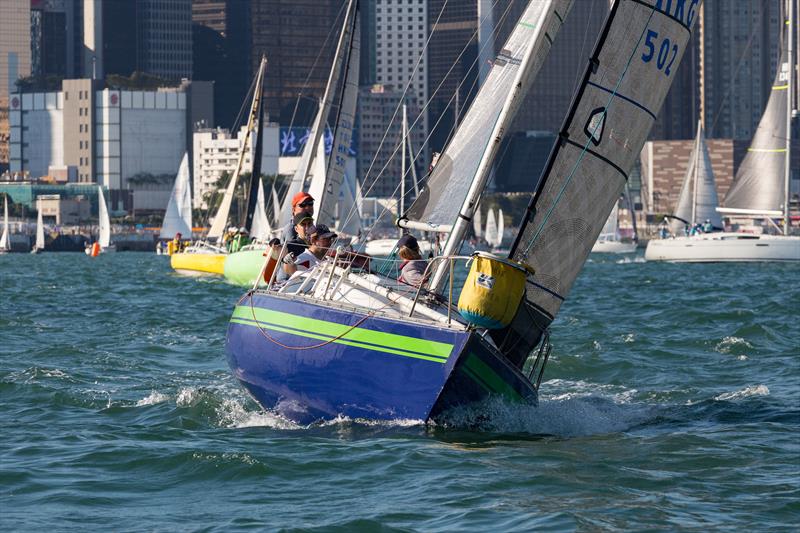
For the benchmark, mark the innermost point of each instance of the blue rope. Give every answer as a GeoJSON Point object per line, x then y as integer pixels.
{"type": "Point", "coordinates": [586, 147]}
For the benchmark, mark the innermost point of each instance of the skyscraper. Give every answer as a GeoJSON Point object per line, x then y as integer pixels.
{"type": "Point", "coordinates": [299, 40]}
{"type": "Point", "coordinates": [739, 44]}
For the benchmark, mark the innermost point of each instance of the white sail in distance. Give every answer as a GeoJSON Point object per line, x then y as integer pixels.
{"type": "Point", "coordinates": [39, 244]}
{"type": "Point", "coordinates": [260, 228]}
{"type": "Point", "coordinates": [610, 231]}
{"type": "Point", "coordinates": [490, 234]}
{"type": "Point", "coordinates": [759, 182]}
{"type": "Point", "coordinates": [477, 223]}
{"type": "Point", "coordinates": [633, 65]}
{"type": "Point", "coordinates": [178, 217]}
{"type": "Point", "coordinates": [104, 236]}
{"type": "Point", "coordinates": [501, 228]}
{"type": "Point", "coordinates": [698, 200]}
{"type": "Point", "coordinates": [5, 243]}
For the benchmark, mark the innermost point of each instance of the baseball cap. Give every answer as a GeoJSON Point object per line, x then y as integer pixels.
{"type": "Point", "coordinates": [300, 197]}
{"type": "Point", "coordinates": [408, 240]}
{"type": "Point", "coordinates": [300, 217]}
{"type": "Point", "coordinates": [324, 232]}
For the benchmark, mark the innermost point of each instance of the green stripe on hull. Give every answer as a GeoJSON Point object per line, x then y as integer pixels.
{"type": "Point", "coordinates": [361, 337]}
{"type": "Point", "coordinates": [483, 375]}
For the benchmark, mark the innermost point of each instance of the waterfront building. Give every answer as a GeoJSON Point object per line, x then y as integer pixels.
{"type": "Point", "coordinates": [217, 151]}
{"type": "Point", "coordinates": [109, 135]}
{"type": "Point", "coordinates": [401, 61]}
{"type": "Point", "coordinates": [452, 63]}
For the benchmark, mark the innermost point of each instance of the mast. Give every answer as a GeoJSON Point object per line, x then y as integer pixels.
{"type": "Point", "coordinates": [221, 220]}
{"type": "Point", "coordinates": [788, 166]}
{"type": "Point", "coordinates": [531, 55]}
{"type": "Point", "coordinates": [403, 134]}
{"type": "Point", "coordinates": [255, 187]}
{"type": "Point", "coordinates": [693, 219]}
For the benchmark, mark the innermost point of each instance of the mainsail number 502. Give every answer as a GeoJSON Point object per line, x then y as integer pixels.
{"type": "Point", "coordinates": [667, 51]}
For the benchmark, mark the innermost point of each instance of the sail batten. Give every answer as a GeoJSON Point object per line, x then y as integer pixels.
{"type": "Point", "coordinates": [633, 65]}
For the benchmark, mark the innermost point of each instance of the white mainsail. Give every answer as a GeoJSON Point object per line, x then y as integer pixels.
{"type": "Point", "coordinates": [104, 226]}
{"type": "Point", "coordinates": [629, 74]}
{"type": "Point", "coordinates": [5, 243]}
{"type": "Point", "coordinates": [260, 228]}
{"type": "Point", "coordinates": [464, 166]}
{"type": "Point", "coordinates": [316, 185]}
{"type": "Point", "coordinates": [759, 182]}
{"type": "Point", "coordinates": [698, 199]}
{"type": "Point", "coordinates": [39, 244]}
{"type": "Point", "coordinates": [501, 228]}
{"type": "Point", "coordinates": [490, 234]}
{"type": "Point", "coordinates": [178, 217]}
{"type": "Point", "coordinates": [477, 223]}
{"type": "Point", "coordinates": [610, 230]}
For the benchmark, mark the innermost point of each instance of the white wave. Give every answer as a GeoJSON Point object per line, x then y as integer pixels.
{"type": "Point", "coordinates": [232, 413]}
{"type": "Point", "coordinates": [630, 260]}
{"type": "Point", "coordinates": [153, 398]}
{"type": "Point", "coordinates": [729, 343]}
{"type": "Point", "coordinates": [187, 397]}
{"type": "Point", "coordinates": [629, 338]}
{"type": "Point", "coordinates": [747, 392]}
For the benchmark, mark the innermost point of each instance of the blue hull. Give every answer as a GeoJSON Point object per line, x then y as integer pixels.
{"type": "Point", "coordinates": [312, 362]}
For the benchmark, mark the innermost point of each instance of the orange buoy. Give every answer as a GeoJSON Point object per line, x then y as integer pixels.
{"type": "Point", "coordinates": [95, 249]}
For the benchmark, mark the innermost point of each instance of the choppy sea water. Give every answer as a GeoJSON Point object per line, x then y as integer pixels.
{"type": "Point", "coordinates": [671, 402]}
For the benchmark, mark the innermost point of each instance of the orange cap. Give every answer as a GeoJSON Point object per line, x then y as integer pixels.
{"type": "Point", "coordinates": [299, 197]}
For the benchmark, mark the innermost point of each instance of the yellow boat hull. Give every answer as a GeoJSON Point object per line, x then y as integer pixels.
{"type": "Point", "coordinates": [198, 264]}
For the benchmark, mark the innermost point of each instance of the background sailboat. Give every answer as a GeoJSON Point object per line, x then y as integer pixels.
{"type": "Point", "coordinates": [38, 245]}
{"type": "Point", "coordinates": [103, 244]}
{"type": "Point", "coordinates": [609, 241]}
{"type": "Point", "coordinates": [5, 238]}
{"type": "Point", "coordinates": [178, 217]}
{"type": "Point", "coordinates": [759, 190]}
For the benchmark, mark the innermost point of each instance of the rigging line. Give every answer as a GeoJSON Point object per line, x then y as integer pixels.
{"type": "Point", "coordinates": [425, 143]}
{"type": "Point", "coordinates": [589, 140]}
{"type": "Point", "coordinates": [583, 46]}
{"type": "Point", "coordinates": [739, 64]}
{"type": "Point", "coordinates": [324, 46]}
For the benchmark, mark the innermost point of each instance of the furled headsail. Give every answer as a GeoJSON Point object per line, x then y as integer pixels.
{"type": "Point", "coordinates": [633, 65]}
{"type": "Point", "coordinates": [345, 111]}
{"type": "Point", "coordinates": [467, 158]}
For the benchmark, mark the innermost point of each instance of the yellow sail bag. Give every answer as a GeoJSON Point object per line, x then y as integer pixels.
{"type": "Point", "coordinates": [492, 291]}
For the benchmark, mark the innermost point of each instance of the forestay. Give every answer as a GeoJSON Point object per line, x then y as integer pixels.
{"type": "Point", "coordinates": [759, 182]}
{"type": "Point", "coordinates": [343, 124]}
{"type": "Point", "coordinates": [698, 199]}
{"type": "Point", "coordinates": [478, 135]}
{"type": "Point", "coordinates": [633, 65]}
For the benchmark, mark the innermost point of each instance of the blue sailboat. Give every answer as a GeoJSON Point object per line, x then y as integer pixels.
{"type": "Point", "coordinates": [339, 340]}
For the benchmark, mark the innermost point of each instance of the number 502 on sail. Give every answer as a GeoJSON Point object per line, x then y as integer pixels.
{"type": "Point", "coordinates": [667, 52]}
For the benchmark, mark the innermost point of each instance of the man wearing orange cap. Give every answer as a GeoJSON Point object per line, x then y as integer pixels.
{"type": "Point", "coordinates": [302, 202]}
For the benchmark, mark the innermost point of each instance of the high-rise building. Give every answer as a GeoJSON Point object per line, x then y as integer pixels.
{"type": "Point", "coordinates": [221, 52]}
{"type": "Point", "coordinates": [739, 49]}
{"type": "Point", "coordinates": [452, 64]}
{"type": "Point", "coordinates": [164, 38]}
{"type": "Point", "coordinates": [379, 154]}
{"type": "Point", "coordinates": [547, 102]}
{"type": "Point", "coordinates": [299, 40]}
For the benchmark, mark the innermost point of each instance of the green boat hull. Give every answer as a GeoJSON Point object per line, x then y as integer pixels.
{"type": "Point", "coordinates": [242, 268]}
